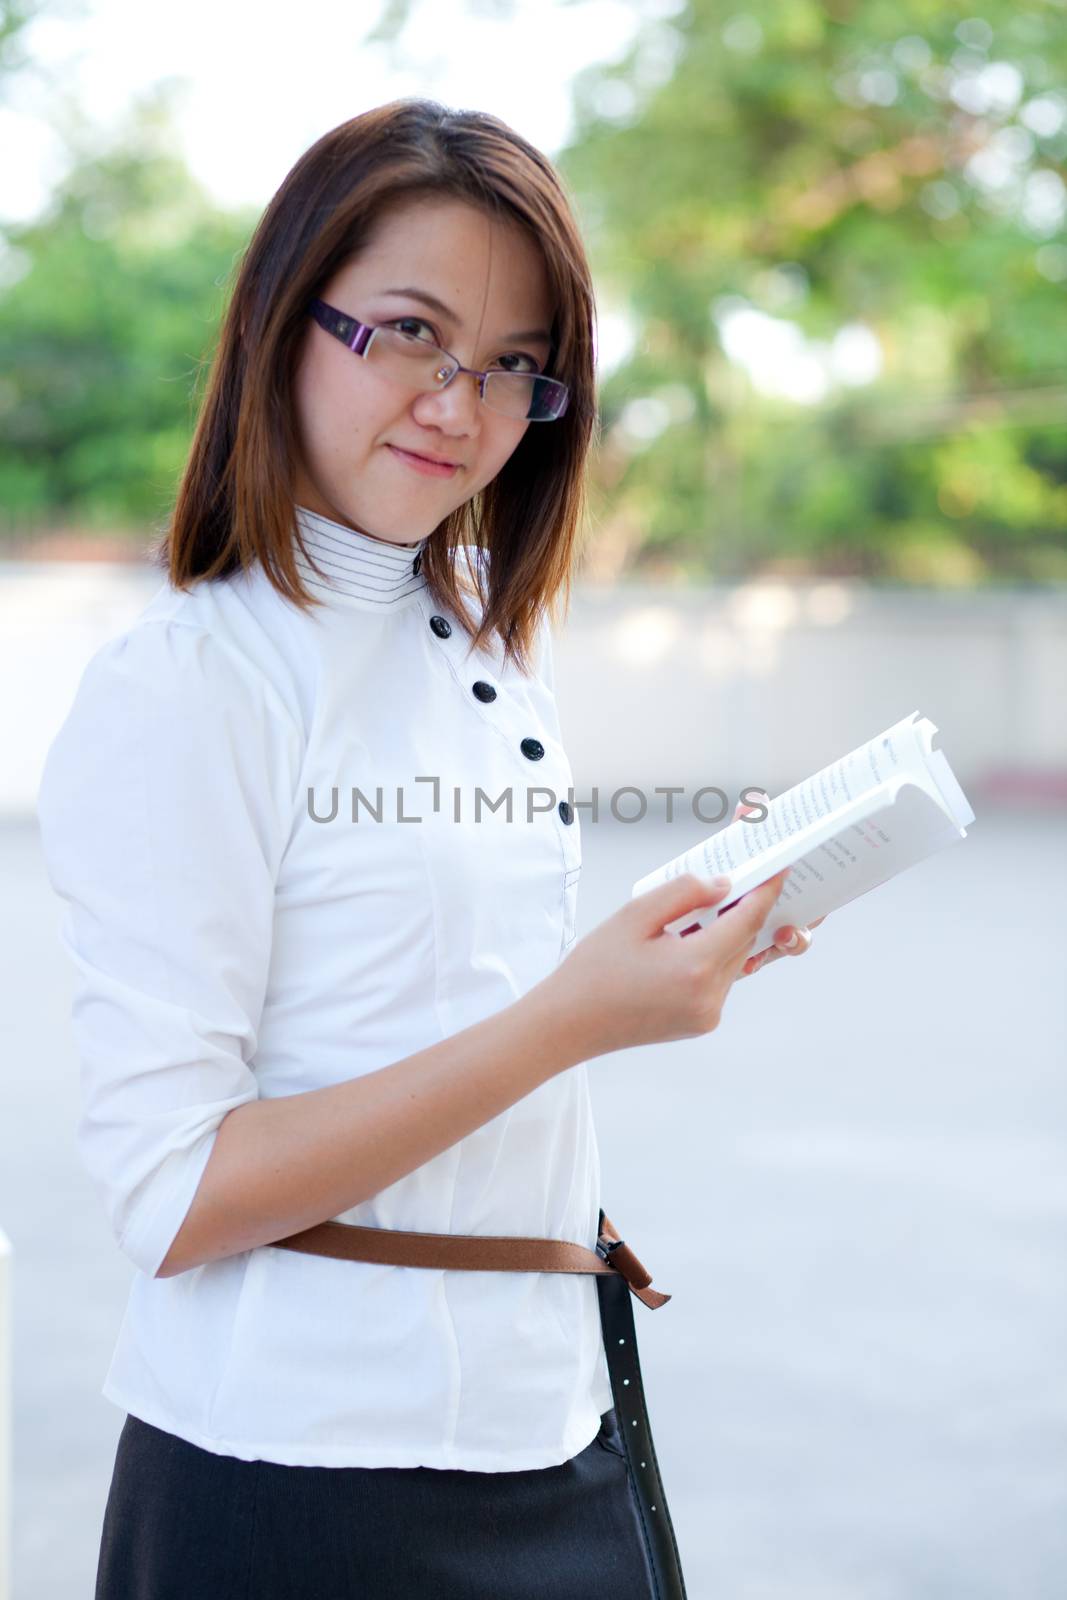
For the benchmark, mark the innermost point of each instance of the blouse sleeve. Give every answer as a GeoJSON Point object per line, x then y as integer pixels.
{"type": "Point", "coordinates": [164, 807]}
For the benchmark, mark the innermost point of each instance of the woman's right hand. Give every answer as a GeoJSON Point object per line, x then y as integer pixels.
{"type": "Point", "coordinates": [630, 983]}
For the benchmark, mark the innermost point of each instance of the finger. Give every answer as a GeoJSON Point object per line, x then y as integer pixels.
{"type": "Point", "coordinates": [761, 959]}
{"type": "Point", "coordinates": [775, 952]}
{"type": "Point", "coordinates": [743, 919]}
{"type": "Point", "coordinates": [793, 941]}
{"type": "Point", "coordinates": [675, 898]}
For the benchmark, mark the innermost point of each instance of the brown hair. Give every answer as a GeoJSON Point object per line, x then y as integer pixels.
{"type": "Point", "coordinates": [235, 504]}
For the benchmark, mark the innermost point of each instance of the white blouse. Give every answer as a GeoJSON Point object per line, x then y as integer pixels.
{"type": "Point", "coordinates": [243, 923]}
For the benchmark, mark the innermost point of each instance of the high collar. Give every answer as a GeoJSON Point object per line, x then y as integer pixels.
{"type": "Point", "coordinates": [356, 569]}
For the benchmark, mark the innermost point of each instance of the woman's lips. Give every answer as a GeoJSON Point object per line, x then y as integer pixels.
{"type": "Point", "coordinates": [432, 469]}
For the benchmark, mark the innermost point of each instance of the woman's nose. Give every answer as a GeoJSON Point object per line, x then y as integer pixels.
{"type": "Point", "coordinates": [459, 400]}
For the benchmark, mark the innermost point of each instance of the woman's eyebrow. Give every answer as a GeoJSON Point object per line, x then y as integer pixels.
{"type": "Point", "coordinates": [535, 335]}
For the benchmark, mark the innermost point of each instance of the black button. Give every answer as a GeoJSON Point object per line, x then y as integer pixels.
{"type": "Point", "coordinates": [483, 691]}
{"type": "Point", "coordinates": [566, 811]}
{"type": "Point", "coordinates": [441, 626]}
{"type": "Point", "coordinates": [417, 563]}
{"type": "Point", "coordinates": [533, 748]}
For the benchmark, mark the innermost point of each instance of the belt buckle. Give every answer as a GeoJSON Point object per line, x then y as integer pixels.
{"type": "Point", "coordinates": [604, 1250]}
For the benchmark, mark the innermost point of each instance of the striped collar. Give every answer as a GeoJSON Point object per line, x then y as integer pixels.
{"type": "Point", "coordinates": [355, 568]}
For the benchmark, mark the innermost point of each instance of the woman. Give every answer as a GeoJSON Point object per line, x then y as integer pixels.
{"type": "Point", "coordinates": [315, 982]}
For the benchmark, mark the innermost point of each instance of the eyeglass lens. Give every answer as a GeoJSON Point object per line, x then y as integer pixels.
{"type": "Point", "coordinates": [422, 365]}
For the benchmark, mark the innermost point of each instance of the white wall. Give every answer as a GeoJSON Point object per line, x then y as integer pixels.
{"type": "Point", "coordinates": [7, 1280]}
{"type": "Point", "coordinates": [758, 683]}
{"type": "Point", "coordinates": [765, 683]}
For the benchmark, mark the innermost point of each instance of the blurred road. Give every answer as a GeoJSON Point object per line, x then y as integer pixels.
{"type": "Point", "coordinates": [856, 1191]}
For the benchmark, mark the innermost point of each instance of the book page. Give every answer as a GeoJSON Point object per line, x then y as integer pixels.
{"type": "Point", "coordinates": [835, 788]}
{"type": "Point", "coordinates": [901, 752]}
{"type": "Point", "coordinates": [896, 753]}
{"type": "Point", "coordinates": [860, 820]}
{"type": "Point", "coordinates": [897, 836]}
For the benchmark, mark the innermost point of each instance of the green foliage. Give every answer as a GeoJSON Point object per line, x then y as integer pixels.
{"type": "Point", "coordinates": [896, 166]}
{"type": "Point", "coordinates": [15, 15]}
{"type": "Point", "coordinates": [893, 169]}
{"type": "Point", "coordinates": [109, 311]}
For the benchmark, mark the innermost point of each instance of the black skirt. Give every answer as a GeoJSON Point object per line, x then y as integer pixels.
{"type": "Point", "coordinates": [182, 1522]}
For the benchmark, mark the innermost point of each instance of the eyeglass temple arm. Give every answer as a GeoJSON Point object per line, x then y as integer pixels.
{"type": "Point", "coordinates": [351, 333]}
{"type": "Point", "coordinates": [356, 335]}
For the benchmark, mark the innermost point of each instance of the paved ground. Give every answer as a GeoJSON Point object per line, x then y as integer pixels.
{"type": "Point", "coordinates": [856, 1190]}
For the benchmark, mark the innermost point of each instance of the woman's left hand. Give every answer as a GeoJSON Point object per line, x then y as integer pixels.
{"type": "Point", "coordinates": [788, 940]}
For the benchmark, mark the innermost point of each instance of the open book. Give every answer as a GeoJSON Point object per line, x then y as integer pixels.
{"type": "Point", "coordinates": [859, 821]}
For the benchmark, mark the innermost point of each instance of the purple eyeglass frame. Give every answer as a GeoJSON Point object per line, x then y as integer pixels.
{"type": "Point", "coordinates": [355, 336]}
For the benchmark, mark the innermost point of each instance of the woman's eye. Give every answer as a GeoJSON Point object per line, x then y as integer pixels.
{"type": "Point", "coordinates": [404, 323]}
{"type": "Point", "coordinates": [415, 322]}
{"type": "Point", "coordinates": [531, 364]}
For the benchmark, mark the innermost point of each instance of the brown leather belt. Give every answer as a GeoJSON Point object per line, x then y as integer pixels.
{"type": "Point", "coordinates": [619, 1275]}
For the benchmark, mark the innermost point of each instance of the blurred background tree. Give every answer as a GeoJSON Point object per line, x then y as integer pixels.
{"type": "Point", "coordinates": [109, 305]}
{"type": "Point", "coordinates": [840, 230]}
{"type": "Point", "coordinates": [832, 236]}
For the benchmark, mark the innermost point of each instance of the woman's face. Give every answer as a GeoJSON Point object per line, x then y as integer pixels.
{"type": "Point", "coordinates": [350, 416]}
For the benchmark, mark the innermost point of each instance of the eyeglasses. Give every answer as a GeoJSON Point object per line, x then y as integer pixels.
{"type": "Point", "coordinates": [422, 365]}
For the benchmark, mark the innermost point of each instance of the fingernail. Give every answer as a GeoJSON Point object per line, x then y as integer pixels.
{"type": "Point", "coordinates": [791, 944]}
{"type": "Point", "coordinates": [718, 883]}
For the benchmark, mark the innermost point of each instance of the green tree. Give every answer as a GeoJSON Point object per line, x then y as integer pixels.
{"type": "Point", "coordinates": [848, 177]}
{"type": "Point", "coordinates": [15, 17]}
{"type": "Point", "coordinates": [108, 316]}
{"type": "Point", "coordinates": [895, 166]}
